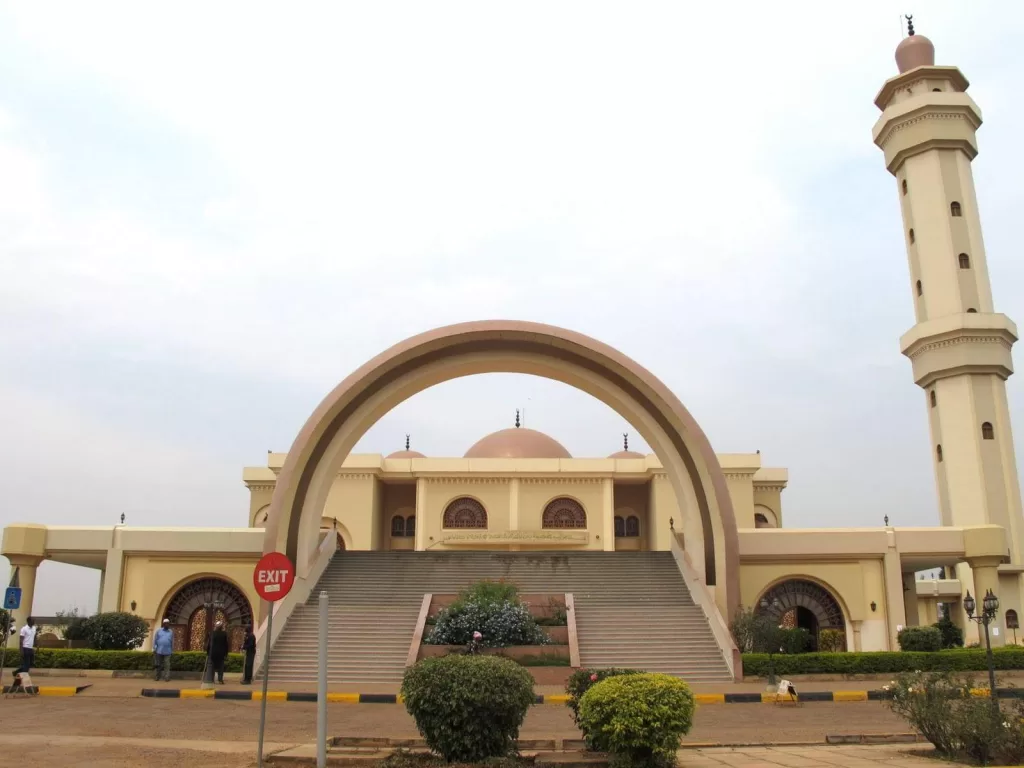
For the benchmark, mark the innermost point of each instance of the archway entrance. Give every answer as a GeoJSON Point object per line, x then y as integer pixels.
{"type": "Point", "coordinates": [199, 605]}
{"type": "Point", "coordinates": [798, 603]}
{"type": "Point", "coordinates": [511, 347]}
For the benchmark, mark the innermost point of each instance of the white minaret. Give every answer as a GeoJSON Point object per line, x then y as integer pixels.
{"type": "Point", "coordinates": [960, 346]}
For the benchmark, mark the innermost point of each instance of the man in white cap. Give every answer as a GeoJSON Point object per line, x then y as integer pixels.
{"type": "Point", "coordinates": [163, 647]}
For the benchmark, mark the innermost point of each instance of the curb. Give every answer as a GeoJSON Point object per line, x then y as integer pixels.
{"type": "Point", "coordinates": [51, 690]}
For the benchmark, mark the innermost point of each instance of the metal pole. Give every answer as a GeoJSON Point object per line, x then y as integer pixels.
{"type": "Point", "coordinates": [321, 687]}
{"type": "Point", "coordinates": [3, 653]}
{"type": "Point", "coordinates": [266, 678]}
{"type": "Point", "coordinates": [991, 667]}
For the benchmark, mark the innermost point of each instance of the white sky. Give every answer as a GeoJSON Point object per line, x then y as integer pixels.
{"type": "Point", "coordinates": [211, 213]}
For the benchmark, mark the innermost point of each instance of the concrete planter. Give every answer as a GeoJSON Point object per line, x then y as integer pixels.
{"type": "Point", "coordinates": [511, 652]}
{"type": "Point", "coordinates": [541, 606]}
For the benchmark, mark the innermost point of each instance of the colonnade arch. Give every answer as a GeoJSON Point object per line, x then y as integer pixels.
{"type": "Point", "coordinates": [501, 346]}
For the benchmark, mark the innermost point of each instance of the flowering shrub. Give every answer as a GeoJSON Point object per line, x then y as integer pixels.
{"type": "Point", "coordinates": [490, 614]}
{"type": "Point", "coordinates": [582, 680]}
{"type": "Point", "coordinates": [959, 725]}
{"type": "Point", "coordinates": [639, 719]}
{"type": "Point", "coordinates": [468, 708]}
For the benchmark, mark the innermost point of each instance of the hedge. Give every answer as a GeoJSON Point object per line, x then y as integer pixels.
{"type": "Point", "coordinates": [885, 662]}
{"type": "Point", "coordinates": [61, 658]}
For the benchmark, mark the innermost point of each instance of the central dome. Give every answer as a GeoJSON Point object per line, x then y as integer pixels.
{"type": "Point", "coordinates": [517, 443]}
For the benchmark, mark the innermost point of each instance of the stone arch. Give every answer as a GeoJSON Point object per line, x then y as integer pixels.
{"type": "Point", "coordinates": [564, 512]}
{"type": "Point", "coordinates": [771, 520]}
{"type": "Point", "coordinates": [504, 346]}
{"type": "Point", "coordinates": [185, 608]}
{"type": "Point", "coordinates": [803, 594]}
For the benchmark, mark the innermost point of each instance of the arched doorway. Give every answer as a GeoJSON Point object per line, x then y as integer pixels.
{"type": "Point", "coordinates": [510, 347]}
{"type": "Point", "coordinates": [799, 603]}
{"type": "Point", "coordinates": [199, 605]}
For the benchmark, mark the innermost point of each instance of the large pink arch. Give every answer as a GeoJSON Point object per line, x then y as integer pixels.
{"type": "Point", "coordinates": [465, 349]}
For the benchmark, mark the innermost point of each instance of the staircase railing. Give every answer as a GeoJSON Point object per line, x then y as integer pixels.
{"type": "Point", "coordinates": [702, 597]}
{"type": "Point", "coordinates": [301, 590]}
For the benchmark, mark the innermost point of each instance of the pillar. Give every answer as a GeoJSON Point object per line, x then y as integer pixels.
{"type": "Point", "coordinates": [421, 514]}
{"type": "Point", "coordinates": [513, 509]}
{"type": "Point", "coordinates": [986, 577]}
{"type": "Point", "coordinates": [910, 603]}
{"type": "Point", "coordinates": [26, 568]}
{"type": "Point", "coordinates": [895, 609]}
{"type": "Point", "coordinates": [608, 514]}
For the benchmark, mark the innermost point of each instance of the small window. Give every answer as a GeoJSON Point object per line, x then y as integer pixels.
{"type": "Point", "coordinates": [938, 453]}
{"type": "Point", "coordinates": [987, 433]}
{"type": "Point", "coordinates": [1012, 622]}
{"type": "Point", "coordinates": [936, 90]}
{"type": "Point", "coordinates": [761, 520]}
{"type": "Point", "coordinates": [620, 527]}
{"type": "Point", "coordinates": [397, 525]}
{"type": "Point", "coordinates": [954, 209]}
{"type": "Point", "coordinates": [632, 526]}
{"type": "Point", "coordinates": [965, 261]}
{"type": "Point", "coordinates": [410, 526]}
{"type": "Point", "coordinates": [971, 310]}
{"type": "Point", "coordinates": [931, 396]}
{"type": "Point", "coordinates": [904, 185]}
{"type": "Point", "coordinates": [920, 290]}
{"type": "Point", "coordinates": [911, 236]}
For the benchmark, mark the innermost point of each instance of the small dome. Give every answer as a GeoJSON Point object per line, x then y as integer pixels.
{"type": "Point", "coordinates": [517, 443]}
{"type": "Point", "coordinates": [914, 51]}
{"type": "Point", "coordinates": [405, 455]}
{"type": "Point", "coordinates": [626, 455]}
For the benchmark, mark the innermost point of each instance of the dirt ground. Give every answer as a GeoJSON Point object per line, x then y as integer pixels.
{"type": "Point", "coordinates": [39, 728]}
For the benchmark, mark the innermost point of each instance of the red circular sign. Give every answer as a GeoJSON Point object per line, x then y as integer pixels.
{"type": "Point", "coordinates": [274, 576]}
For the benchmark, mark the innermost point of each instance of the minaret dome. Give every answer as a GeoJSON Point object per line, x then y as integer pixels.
{"type": "Point", "coordinates": [914, 50]}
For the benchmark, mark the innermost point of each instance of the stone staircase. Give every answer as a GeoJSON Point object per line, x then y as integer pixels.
{"type": "Point", "coordinates": [632, 610]}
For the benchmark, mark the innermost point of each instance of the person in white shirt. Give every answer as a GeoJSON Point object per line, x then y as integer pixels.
{"type": "Point", "coordinates": [27, 643]}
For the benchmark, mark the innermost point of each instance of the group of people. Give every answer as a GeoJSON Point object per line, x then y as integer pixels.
{"type": "Point", "coordinates": [217, 647]}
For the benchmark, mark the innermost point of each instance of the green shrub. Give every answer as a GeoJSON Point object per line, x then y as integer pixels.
{"type": "Point", "coordinates": [796, 640]}
{"type": "Point", "coordinates": [920, 639]}
{"type": "Point", "coordinates": [487, 592]}
{"type": "Point", "coordinates": [952, 635]}
{"type": "Point", "coordinates": [882, 662]}
{"type": "Point", "coordinates": [639, 719]}
{"type": "Point", "coordinates": [468, 708]}
{"type": "Point", "coordinates": [582, 680]}
{"type": "Point", "coordinates": [115, 631]}
{"type": "Point", "coordinates": [832, 641]}
{"type": "Point", "coordinates": [543, 660]}
{"type": "Point", "coordinates": [61, 658]}
{"type": "Point", "coordinates": [501, 623]}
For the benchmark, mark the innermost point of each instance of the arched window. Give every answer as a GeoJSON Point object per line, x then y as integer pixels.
{"type": "Point", "coordinates": [632, 526]}
{"type": "Point", "coordinates": [564, 513]}
{"type": "Point", "coordinates": [1012, 621]}
{"type": "Point", "coordinates": [911, 233]}
{"type": "Point", "coordinates": [971, 310]}
{"type": "Point", "coordinates": [954, 209]}
{"type": "Point", "coordinates": [987, 433]}
{"type": "Point", "coordinates": [920, 289]}
{"type": "Point", "coordinates": [620, 527]}
{"type": "Point", "coordinates": [398, 526]}
{"type": "Point", "coordinates": [904, 185]}
{"type": "Point", "coordinates": [761, 520]}
{"type": "Point", "coordinates": [965, 261]}
{"type": "Point", "coordinates": [931, 396]}
{"type": "Point", "coordinates": [410, 526]}
{"type": "Point", "coordinates": [465, 513]}
{"type": "Point", "coordinates": [938, 453]}
{"type": "Point", "coordinates": [199, 605]}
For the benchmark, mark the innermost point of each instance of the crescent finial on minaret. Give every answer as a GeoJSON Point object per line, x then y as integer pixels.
{"type": "Point", "coordinates": [517, 417]}
{"type": "Point", "coordinates": [910, 24]}
{"type": "Point", "coordinates": [407, 442]}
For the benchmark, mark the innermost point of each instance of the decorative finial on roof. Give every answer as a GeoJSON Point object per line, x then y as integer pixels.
{"type": "Point", "coordinates": [910, 24]}
{"type": "Point", "coordinates": [407, 442]}
{"type": "Point", "coordinates": [886, 518]}
{"type": "Point", "coordinates": [625, 441]}
{"type": "Point", "coordinates": [517, 418]}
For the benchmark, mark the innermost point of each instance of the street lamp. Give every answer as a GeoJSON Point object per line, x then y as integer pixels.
{"type": "Point", "coordinates": [989, 607]}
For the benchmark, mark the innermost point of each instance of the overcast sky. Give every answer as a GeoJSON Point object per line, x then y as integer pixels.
{"type": "Point", "coordinates": [210, 215]}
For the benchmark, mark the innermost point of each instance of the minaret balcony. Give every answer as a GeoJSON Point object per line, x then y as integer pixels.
{"type": "Point", "coordinates": [960, 344]}
{"type": "Point", "coordinates": [946, 120]}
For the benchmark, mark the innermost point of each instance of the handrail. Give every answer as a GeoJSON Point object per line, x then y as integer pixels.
{"type": "Point", "coordinates": [702, 596]}
{"type": "Point", "coordinates": [570, 620]}
{"type": "Point", "coordinates": [301, 590]}
{"type": "Point", "coordinates": [417, 634]}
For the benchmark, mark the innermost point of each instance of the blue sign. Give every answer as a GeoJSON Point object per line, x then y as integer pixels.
{"type": "Point", "coordinates": [12, 598]}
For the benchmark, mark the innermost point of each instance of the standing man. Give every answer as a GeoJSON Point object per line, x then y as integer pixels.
{"type": "Point", "coordinates": [163, 647]}
{"type": "Point", "coordinates": [249, 646]}
{"type": "Point", "coordinates": [27, 643]}
{"type": "Point", "coordinates": [219, 650]}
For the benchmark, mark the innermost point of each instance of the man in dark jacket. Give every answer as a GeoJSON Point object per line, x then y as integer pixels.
{"type": "Point", "coordinates": [219, 650]}
{"type": "Point", "coordinates": [249, 646]}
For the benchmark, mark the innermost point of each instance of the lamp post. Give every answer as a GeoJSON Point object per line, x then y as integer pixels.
{"type": "Point", "coordinates": [770, 636]}
{"type": "Point", "coordinates": [989, 607]}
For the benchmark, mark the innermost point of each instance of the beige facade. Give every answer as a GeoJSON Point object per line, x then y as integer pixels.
{"type": "Point", "coordinates": [721, 515]}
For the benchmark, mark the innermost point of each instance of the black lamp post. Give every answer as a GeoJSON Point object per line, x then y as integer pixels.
{"type": "Point", "coordinates": [771, 635]}
{"type": "Point", "coordinates": [989, 608]}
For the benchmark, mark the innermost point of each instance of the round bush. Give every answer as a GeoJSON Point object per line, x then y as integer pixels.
{"type": "Point", "coordinates": [501, 623]}
{"type": "Point", "coordinates": [115, 631]}
{"type": "Point", "coordinates": [582, 680]}
{"type": "Point", "coordinates": [920, 639]}
{"type": "Point", "coordinates": [468, 708]}
{"type": "Point", "coordinates": [639, 719]}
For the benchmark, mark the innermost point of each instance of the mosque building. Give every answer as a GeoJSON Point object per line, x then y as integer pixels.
{"type": "Point", "coordinates": [718, 517]}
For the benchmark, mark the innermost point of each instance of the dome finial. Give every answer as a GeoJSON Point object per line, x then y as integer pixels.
{"type": "Point", "coordinates": [910, 24]}
{"type": "Point", "coordinates": [407, 442]}
{"type": "Point", "coordinates": [517, 417]}
{"type": "Point", "coordinates": [625, 441]}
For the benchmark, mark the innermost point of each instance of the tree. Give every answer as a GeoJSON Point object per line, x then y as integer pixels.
{"type": "Point", "coordinates": [115, 631]}
{"type": "Point", "coordinates": [63, 621]}
{"type": "Point", "coordinates": [5, 623]}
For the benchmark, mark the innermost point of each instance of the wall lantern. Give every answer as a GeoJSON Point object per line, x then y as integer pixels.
{"type": "Point", "coordinates": [874, 606]}
{"type": "Point", "coordinates": [133, 606]}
